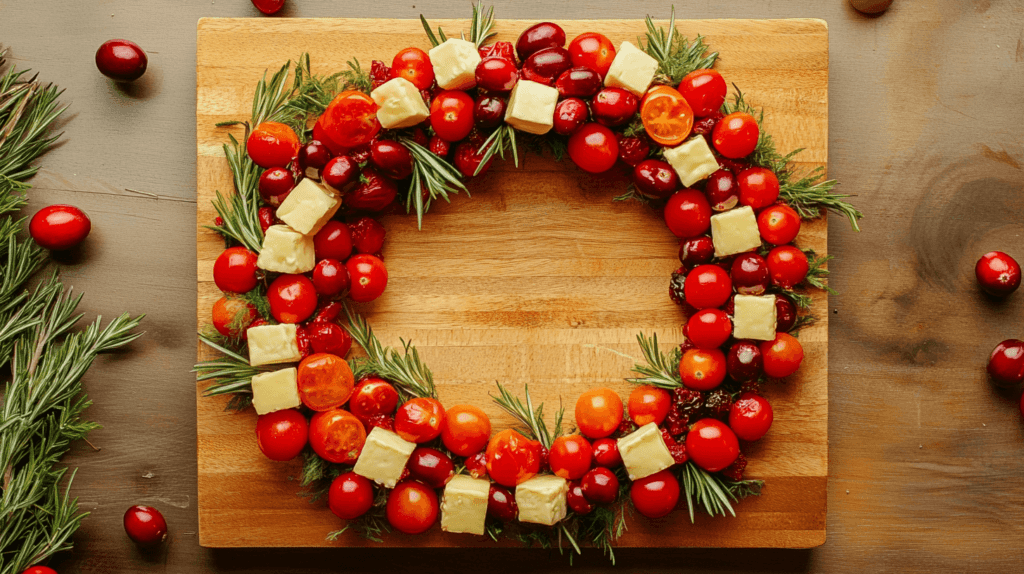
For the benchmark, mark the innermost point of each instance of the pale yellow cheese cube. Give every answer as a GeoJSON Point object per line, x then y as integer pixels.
{"type": "Point", "coordinates": [735, 231]}
{"type": "Point", "coordinates": [383, 457]}
{"type": "Point", "coordinates": [455, 64]}
{"type": "Point", "coordinates": [270, 344]}
{"type": "Point", "coordinates": [632, 69]}
{"type": "Point", "coordinates": [308, 207]}
{"type": "Point", "coordinates": [286, 251]}
{"type": "Point", "coordinates": [400, 104]}
{"type": "Point", "coordinates": [754, 317]}
{"type": "Point", "coordinates": [464, 504]}
{"type": "Point", "coordinates": [531, 107]}
{"type": "Point", "coordinates": [275, 391]}
{"type": "Point", "coordinates": [692, 160]}
{"type": "Point", "coordinates": [541, 499]}
{"type": "Point", "coordinates": [644, 452]}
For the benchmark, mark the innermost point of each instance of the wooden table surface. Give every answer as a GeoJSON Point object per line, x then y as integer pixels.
{"type": "Point", "coordinates": [926, 466]}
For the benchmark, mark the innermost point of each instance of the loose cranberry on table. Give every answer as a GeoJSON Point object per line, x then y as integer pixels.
{"type": "Point", "coordinates": [489, 112]}
{"type": "Point", "coordinates": [736, 135]}
{"type": "Point", "coordinates": [749, 274]}
{"type": "Point", "coordinates": [275, 184]}
{"type": "Point", "coordinates": [707, 286]}
{"type": "Point", "coordinates": [368, 235]}
{"type": "Point", "coordinates": [59, 227]}
{"type": "Point", "coordinates": [539, 36]}
{"type": "Point", "coordinates": [1006, 363]}
{"type": "Point", "coordinates": [121, 60]}
{"type": "Point", "coordinates": [997, 273]}
{"type": "Point", "coordinates": [696, 251]}
{"type": "Point", "coordinates": [392, 158]}
{"type": "Point", "coordinates": [704, 90]}
{"type": "Point", "coordinates": [593, 148]}
{"type": "Point", "coordinates": [722, 190]}
{"type": "Point", "coordinates": [656, 495]}
{"type": "Point", "coordinates": [329, 338]}
{"type": "Point", "coordinates": [234, 271]}
{"type": "Point", "coordinates": [614, 106]}
{"type": "Point", "coordinates": [501, 504]}
{"type": "Point", "coordinates": [545, 66]}
{"type": "Point", "coordinates": [708, 329]}
{"type": "Point", "coordinates": [594, 51]}
{"type": "Point", "coordinates": [374, 192]}
{"type": "Point", "coordinates": [576, 500]}
{"type": "Point", "coordinates": [292, 298]}
{"type": "Point", "coordinates": [281, 435]}
{"type": "Point", "coordinates": [412, 507]}
{"type": "Point", "coordinates": [413, 64]}
{"type": "Point", "coordinates": [782, 357]}
{"type": "Point", "coordinates": [712, 445]}
{"type": "Point", "coordinates": [340, 174]}
{"type": "Point", "coordinates": [145, 525]}
{"type": "Point", "coordinates": [744, 361]}
{"type": "Point", "coordinates": [750, 417]}
{"type": "Point", "coordinates": [350, 496]}
{"type": "Point", "coordinates": [268, 6]}
{"type": "Point", "coordinates": [687, 213]}
{"type": "Point", "coordinates": [787, 266]}
{"type": "Point", "coordinates": [431, 466]}
{"type": "Point", "coordinates": [656, 179]}
{"type": "Point", "coordinates": [579, 82]}
{"type": "Point", "coordinates": [367, 277]}
{"type": "Point", "coordinates": [570, 115]}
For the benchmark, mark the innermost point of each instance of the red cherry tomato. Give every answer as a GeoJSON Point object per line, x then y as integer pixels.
{"type": "Point", "coordinates": [419, 420]}
{"type": "Point", "coordinates": [592, 50]}
{"type": "Point", "coordinates": [735, 135]}
{"type": "Point", "coordinates": [782, 357]}
{"type": "Point", "coordinates": [997, 273]}
{"type": "Point", "coordinates": [711, 445]}
{"type": "Point", "coordinates": [496, 74]}
{"type": "Point", "coordinates": [337, 436]}
{"type": "Point", "coordinates": [39, 569]}
{"type": "Point", "coordinates": [292, 298]}
{"type": "Point", "coordinates": [512, 458]}
{"type": "Point", "coordinates": [709, 328]}
{"type": "Point", "coordinates": [466, 430]}
{"type": "Point", "coordinates": [231, 317]}
{"type": "Point", "coordinates": [330, 338]}
{"type": "Point", "coordinates": [325, 381]}
{"type": "Point", "coordinates": [759, 187]}
{"type": "Point", "coordinates": [282, 435]}
{"type": "Point", "coordinates": [333, 241]}
{"type": "Point", "coordinates": [451, 115]}
{"type": "Point", "coordinates": [373, 396]}
{"type": "Point", "coordinates": [787, 266]}
{"type": "Point", "coordinates": [367, 277]}
{"type": "Point", "coordinates": [272, 144]}
{"type": "Point", "coordinates": [412, 507]}
{"type": "Point", "coordinates": [687, 213]}
{"type": "Point", "coordinates": [656, 495]}
{"type": "Point", "coordinates": [330, 277]}
{"type": "Point", "coordinates": [649, 404]}
{"type": "Point", "coordinates": [778, 224]}
{"type": "Point", "coordinates": [606, 453]}
{"type": "Point", "coordinates": [593, 148]}
{"type": "Point", "coordinates": [750, 417]}
{"type": "Point", "coordinates": [350, 120]}
{"type": "Point", "coordinates": [704, 90]}
{"type": "Point", "coordinates": [121, 60]}
{"type": "Point", "coordinates": [350, 496]}
{"type": "Point", "coordinates": [600, 486]}
{"type": "Point", "coordinates": [702, 369]}
{"type": "Point", "coordinates": [414, 65]}
{"type": "Point", "coordinates": [235, 270]}
{"type": "Point", "coordinates": [59, 227]}
{"type": "Point", "coordinates": [570, 456]}
{"type": "Point", "coordinates": [145, 525]}
{"type": "Point", "coordinates": [707, 286]}
{"type": "Point", "coordinates": [598, 412]}
{"type": "Point", "coordinates": [268, 6]}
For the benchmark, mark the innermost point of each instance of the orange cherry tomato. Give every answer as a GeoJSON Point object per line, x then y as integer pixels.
{"type": "Point", "coordinates": [419, 420]}
{"type": "Point", "coordinates": [466, 430]}
{"type": "Point", "coordinates": [272, 144]}
{"type": "Point", "coordinates": [649, 404]}
{"type": "Point", "coordinates": [412, 507]}
{"type": "Point", "coordinates": [570, 456]}
{"type": "Point", "coordinates": [414, 65]}
{"type": "Point", "coordinates": [702, 369]}
{"type": "Point", "coordinates": [598, 412]}
{"type": "Point", "coordinates": [782, 357]}
{"type": "Point", "coordinates": [512, 458]}
{"type": "Point", "coordinates": [337, 436]}
{"type": "Point", "coordinates": [325, 381]}
{"type": "Point", "coordinates": [666, 116]}
{"type": "Point", "coordinates": [232, 316]}
{"type": "Point", "coordinates": [350, 120]}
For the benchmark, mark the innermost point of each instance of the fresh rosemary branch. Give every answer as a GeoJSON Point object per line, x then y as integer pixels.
{"type": "Point", "coordinates": [433, 174]}
{"type": "Point", "coordinates": [713, 492]}
{"type": "Point", "coordinates": [500, 140]}
{"type": "Point", "coordinates": [632, 194]}
{"type": "Point", "coordinates": [27, 109]}
{"type": "Point", "coordinates": [801, 300]}
{"type": "Point", "coordinates": [817, 275]}
{"type": "Point", "coordinates": [372, 525]}
{"type": "Point", "coordinates": [675, 54]}
{"type": "Point", "coordinates": [411, 377]}
{"type": "Point", "coordinates": [481, 27]}
{"type": "Point", "coordinates": [660, 370]}
{"type": "Point", "coordinates": [531, 419]}
{"type": "Point", "coordinates": [229, 374]}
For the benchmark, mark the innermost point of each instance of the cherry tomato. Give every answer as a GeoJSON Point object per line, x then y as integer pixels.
{"type": "Point", "coordinates": [145, 525]}
{"type": "Point", "coordinates": [469, 160]}
{"type": "Point", "coordinates": [231, 317]}
{"type": "Point", "coordinates": [368, 277]}
{"type": "Point", "coordinates": [320, 135]}
{"type": "Point", "coordinates": [337, 436]}
{"type": "Point", "coordinates": [419, 420]}
{"type": "Point", "coordinates": [292, 298]}
{"type": "Point", "coordinates": [787, 266]}
{"type": "Point", "coordinates": [648, 404]}
{"type": "Point", "coordinates": [121, 60]}
{"type": "Point", "coordinates": [570, 115]}
{"type": "Point", "coordinates": [722, 190]}
{"type": "Point", "coordinates": [687, 213]}
{"type": "Point", "coordinates": [59, 227]}
{"type": "Point", "coordinates": [778, 224]}
{"type": "Point", "coordinates": [235, 270]}
{"type": "Point", "coordinates": [578, 82]}
{"type": "Point", "coordinates": [373, 396]}
{"type": "Point", "coordinates": [476, 465]}
{"type": "Point", "coordinates": [374, 191]}
{"type": "Point", "coordinates": [496, 74]}
{"type": "Point", "coordinates": [268, 6]}
{"type": "Point", "coordinates": [272, 144]}
{"type": "Point", "coordinates": [512, 458]}
{"type": "Point", "coordinates": [657, 179]}
{"type": "Point", "coordinates": [749, 274]}
{"type": "Point", "coordinates": [702, 369]}
{"type": "Point", "coordinates": [696, 251]}
{"type": "Point", "coordinates": [600, 486]}
{"type": "Point", "coordinates": [545, 66]}
{"type": "Point", "coordinates": [333, 241]}
{"type": "Point", "coordinates": [412, 507]}
{"type": "Point", "coordinates": [431, 466]}
{"type": "Point", "coordinates": [576, 501]}
{"type": "Point", "coordinates": [275, 185]}
{"type": "Point", "coordinates": [414, 65]}
{"type": "Point", "coordinates": [570, 456]}
{"type": "Point", "coordinates": [704, 90]}
{"type": "Point", "coordinates": [598, 412]}
{"type": "Point", "coordinates": [712, 445]}
{"type": "Point", "coordinates": [330, 277]}
{"type": "Point", "coordinates": [466, 430]}
{"type": "Point", "coordinates": [539, 36]}
{"type": "Point", "coordinates": [614, 106]}
{"type": "Point", "coordinates": [282, 435]}
{"type": "Point", "coordinates": [735, 135]}
{"type": "Point", "coordinates": [341, 174]}
{"type": "Point", "coordinates": [1006, 363]}
{"type": "Point", "coordinates": [325, 381]}
{"type": "Point", "coordinates": [744, 361]}
{"type": "Point", "coordinates": [782, 357]}
{"type": "Point", "coordinates": [39, 569]}
{"type": "Point", "coordinates": [709, 328]}
{"type": "Point", "coordinates": [451, 115]}
{"type": "Point", "coordinates": [997, 273]}
{"type": "Point", "coordinates": [350, 120]}
{"type": "Point", "coordinates": [592, 50]}
{"type": "Point", "coordinates": [593, 148]}
{"type": "Point", "coordinates": [666, 116]}
{"type": "Point", "coordinates": [750, 417]}
{"type": "Point", "coordinates": [368, 236]}
{"type": "Point", "coordinates": [759, 187]}
{"type": "Point", "coordinates": [606, 453]}
{"type": "Point", "coordinates": [656, 495]}
{"type": "Point", "coordinates": [501, 504]}
{"type": "Point", "coordinates": [707, 286]}
{"type": "Point", "coordinates": [350, 496]}
{"type": "Point", "coordinates": [329, 338]}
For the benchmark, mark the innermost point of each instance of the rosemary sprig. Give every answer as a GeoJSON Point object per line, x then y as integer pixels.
{"type": "Point", "coordinates": [481, 27]}
{"type": "Point", "coordinates": [531, 419]}
{"type": "Point", "coordinates": [801, 300]}
{"type": "Point", "coordinates": [676, 55]}
{"type": "Point", "coordinates": [632, 194]}
{"type": "Point", "coordinates": [372, 525]}
{"type": "Point", "coordinates": [713, 492]}
{"type": "Point", "coordinates": [660, 370]}
{"type": "Point", "coordinates": [817, 274]}
{"type": "Point", "coordinates": [27, 109]}
{"type": "Point", "coordinates": [230, 374]}
{"type": "Point", "coordinates": [433, 174]}
{"type": "Point", "coordinates": [500, 141]}
{"type": "Point", "coordinates": [411, 377]}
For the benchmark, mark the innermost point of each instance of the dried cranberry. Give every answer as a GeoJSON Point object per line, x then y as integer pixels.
{"type": "Point", "coordinates": [677, 450]}
{"type": "Point", "coordinates": [374, 192]}
{"type": "Point", "coordinates": [706, 125]}
{"type": "Point", "coordinates": [419, 136]}
{"type": "Point", "coordinates": [218, 221]}
{"type": "Point", "coordinates": [468, 159]}
{"type": "Point", "coordinates": [633, 150]}
{"type": "Point", "coordinates": [626, 426]}
{"type": "Point", "coordinates": [439, 147]}
{"type": "Point", "coordinates": [330, 338]}
{"type": "Point", "coordinates": [379, 73]}
{"type": "Point", "coordinates": [676, 286]}
{"type": "Point", "coordinates": [733, 165]}
{"type": "Point", "coordinates": [368, 235]}
{"type": "Point", "coordinates": [717, 404]}
{"type": "Point", "coordinates": [476, 465]}
{"type": "Point", "coordinates": [499, 50]}
{"type": "Point", "coordinates": [735, 470]}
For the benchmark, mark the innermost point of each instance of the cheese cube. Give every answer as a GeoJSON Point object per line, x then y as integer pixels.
{"type": "Point", "coordinates": [286, 251]}
{"type": "Point", "coordinates": [308, 207]}
{"type": "Point", "coordinates": [464, 504]}
{"type": "Point", "coordinates": [631, 69]}
{"type": "Point", "coordinates": [269, 344]}
{"type": "Point", "coordinates": [383, 457]}
{"type": "Point", "coordinates": [531, 107]}
{"type": "Point", "coordinates": [400, 104]}
{"type": "Point", "coordinates": [541, 499]}
{"type": "Point", "coordinates": [754, 317]}
{"type": "Point", "coordinates": [692, 160]}
{"type": "Point", "coordinates": [455, 64]}
{"type": "Point", "coordinates": [735, 231]}
{"type": "Point", "coordinates": [644, 452]}
{"type": "Point", "coordinates": [275, 391]}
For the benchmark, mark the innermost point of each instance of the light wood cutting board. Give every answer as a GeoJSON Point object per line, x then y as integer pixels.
{"type": "Point", "coordinates": [537, 278]}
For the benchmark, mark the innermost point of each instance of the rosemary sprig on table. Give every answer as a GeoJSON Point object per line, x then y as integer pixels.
{"type": "Point", "coordinates": [430, 173]}
{"type": "Point", "coordinates": [660, 370]}
{"type": "Point", "coordinates": [676, 55]}
{"type": "Point", "coordinates": [531, 419]}
{"type": "Point", "coordinates": [481, 27]}
{"type": "Point", "coordinates": [410, 376]}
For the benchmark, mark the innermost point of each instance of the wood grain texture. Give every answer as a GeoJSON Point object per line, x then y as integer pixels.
{"type": "Point", "coordinates": [539, 278]}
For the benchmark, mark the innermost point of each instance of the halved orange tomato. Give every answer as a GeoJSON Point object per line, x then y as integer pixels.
{"type": "Point", "coordinates": [667, 117]}
{"type": "Point", "coordinates": [337, 436]}
{"type": "Point", "coordinates": [325, 381]}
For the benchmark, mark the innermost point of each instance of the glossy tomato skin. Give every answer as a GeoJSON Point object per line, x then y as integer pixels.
{"type": "Point", "coordinates": [281, 435]}
{"type": "Point", "coordinates": [687, 213]}
{"type": "Point", "coordinates": [722, 190]}
{"type": "Point", "coordinates": [350, 120]}
{"type": "Point", "coordinates": [414, 65]}
{"type": "Point", "coordinates": [593, 148]}
{"type": "Point", "coordinates": [997, 273]}
{"type": "Point", "coordinates": [268, 7]}
{"type": "Point", "coordinates": [600, 485]}
{"type": "Point", "coordinates": [782, 357]}
{"type": "Point", "coordinates": [593, 50]}
{"type": "Point", "coordinates": [614, 106]}
{"type": "Point", "coordinates": [702, 369]}
{"type": "Point", "coordinates": [466, 430]}
{"type": "Point", "coordinates": [704, 90]}
{"type": "Point", "coordinates": [292, 298]}
{"type": "Point", "coordinates": [496, 74]}
{"type": "Point", "coordinates": [1006, 363]}
{"type": "Point", "coordinates": [570, 115]}
{"type": "Point", "coordinates": [512, 458]}
{"type": "Point", "coordinates": [145, 525]}
{"type": "Point", "coordinates": [329, 338]}
{"type": "Point", "coordinates": [759, 187]}
{"type": "Point", "coordinates": [655, 178]}
{"type": "Point", "coordinates": [539, 36]}
{"type": "Point", "coordinates": [373, 396]}
{"type": "Point", "coordinates": [59, 227]}
{"type": "Point", "coordinates": [451, 115]}
{"type": "Point", "coordinates": [750, 417]}
{"type": "Point", "coordinates": [419, 420]}
{"type": "Point", "coordinates": [337, 436]}
{"type": "Point", "coordinates": [325, 381]}
{"type": "Point", "coordinates": [350, 496]}
{"type": "Point", "coordinates": [570, 456]}
{"type": "Point", "coordinates": [648, 404]}
{"type": "Point", "coordinates": [598, 412]}
{"type": "Point", "coordinates": [712, 445]}
{"type": "Point", "coordinates": [606, 453]}
{"type": "Point", "coordinates": [374, 191]}
{"type": "Point", "coordinates": [333, 241]}
{"type": "Point", "coordinates": [275, 184]}
{"type": "Point", "coordinates": [272, 144]}
{"type": "Point", "coordinates": [787, 266]}
{"type": "Point", "coordinates": [545, 66]}
{"type": "Point", "coordinates": [735, 135]}
{"type": "Point", "coordinates": [501, 504]}
{"type": "Point", "coordinates": [39, 569]}
{"type": "Point", "coordinates": [412, 507]}
{"type": "Point", "coordinates": [367, 277]}
{"type": "Point", "coordinates": [656, 495]}
{"type": "Point", "coordinates": [578, 82]}
{"type": "Point", "coordinates": [778, 224]}
{"type": "Point", "coordinates": [431, 466]}
{"type": "Point", "coordinates": [707, 286]}
{"type": "Point", "coordinates": [121, 60]}
{"type": "Point", "coordinates": [709, 328]}
{"type": "Point", "coordinates": [330, 277]}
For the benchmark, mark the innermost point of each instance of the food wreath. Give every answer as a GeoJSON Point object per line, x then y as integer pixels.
{"type": "Point", "coordinates": [324, 153]}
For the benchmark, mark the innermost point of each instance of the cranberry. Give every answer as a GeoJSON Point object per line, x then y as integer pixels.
{"type": "Point", "coordinates": [330, 277]}
{"type": "Point", "coordinates": [275, 184]}
{"type": "Point", "coordinates": [576, 500]}
{"type": "Point", "coordinates": [267, 218]}
{"type": "Point", "coordinates": [499, 50]}
{"type": "Point", "coordinates": [340, 174]}
{"type": "Point", "coordinates": [706, 125]}
{"type": "Point", "coordinates": [121, 60]}
{"type": "Point", "coordinates": [785, 314]}
{"type": "Point", "coordinates": [496, 74]}
{"type": "Point", "coordinates": [468, 160]}
{"type": "Point", "coordinates": [580, 82]}
{"type": "Point", "coordinates": [570, 115]}
{"type": "Point", "coordinates": [544, 66]}
{"type": "Point", "coordinates": [750, 274]}
{"type": "Point", "coordinates": [655, 178]}
{"type": "Point", "coordinates": [1006, 364]}
{"type": "Point", "coordinates": [600, 485]}
{"type": "Point", "coordinates": [439, 147]}
{"type": "Point", "coordinates": [303, 342]}
{"type": "Point", "coordinates": [501, 504]}
{"type": "Point", "coordinates": [633, 150]}
{"type": "Point", "coordinates": [333, 241]}
{"type": "Point", "coordinates": [145, 525]}
{"type": "Point", "coordinates": [374, 192]}
{"type": "Point", "coordinates": [432, 466]}
{"type": "Point", "coordinates": [328, 313]}
{"type": "Point", "coordinates": [744, 362]}
{"type": "Point", "coordinates": [392, 158]}
{"type": "Point", "coordinates": [59, 227]}
{"type": "Point", "coordinates": [313, 157]}
{"type": "Point", "coordinates": [268, 6]}
{"type": "Point", "coordinates": [476, 465]}
{"type": "Point", "coordinates": [722, 191]}
{"type": "Point", "coordinates": [606, 453]}
{"type": "Point", "coordinates": [997, 273]}
{"type": "Point", "coordinates": [696, 251]}
{"type": "Point", "coordinates": [329, 338]}
{"type": "Point", "coordinates": [538, 37]}
{"type": "Point", "coordinates": [368, 235]}
{"type": "Point", "coordinates": [489, 112]}
{"type": "Point", "coordinates": [614, 106]}
{"type": "Point", "coordinates": [734, 165]}
{"type": "Point", "coordinates": [360, 154]}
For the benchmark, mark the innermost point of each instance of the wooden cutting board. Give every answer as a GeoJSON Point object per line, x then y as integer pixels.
{"type": "Point", "coordinates": [537, 278]}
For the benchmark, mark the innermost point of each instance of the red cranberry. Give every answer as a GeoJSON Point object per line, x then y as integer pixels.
{"type": "Point", "coordinates": [606, 453]}
{"type": "Point", "coordinates": [785, 314]}
{"type": "Point", "coordinates": [468, 159]}
{"type": "Point", "coordinates": [275, 184]}
{"type": "Point", "coordinates": [706, 125]}
{"type": "Point", "coordinates": [439, 147]}
{"type": "Point", "coordinates": [614, 106]}
{"type": "Point", "coordinates": [579, 82]}
{"type": "Point", "coordinates": [432, 466]}
{"type": "Point", "coordinates": [476, 466]}
{"type": "Point", "coordinates": [570, 115]}
{"type": "Point", "coordinates": [330, 338]}
{"type": "Point", "coordinates": [121, 60]}
{"type": "Point", "coordinates": [303, 342]}
{"type": "Point", "coordinates": [393, 158]}
{"type": "Point", "coordinates": [59, 227]}
{"type": "Point", "coordinates": [544, 66]}
{"type": "Point", "coordinates": [744, 362]}
{"type": "Point", "coordinates": [368, 235]}
{"type": "Point", "coordinates": [489, 111]}
{"type": "Point", "coordinates": [696, 251]}
{"type": "Point", "coordinates": [600, 485]}
{"type": "Point", "coordinates": [496, 74]}
{"type": "Point", "coordinates": [268, 6]}
{"type": "Point", "coordinates": [328, 313]}
{"type": "Point", "coordinates": [333, 241]}
{"type": "Point", "coordinates": [373, 193]}
{"type": "Point", "coordinates": [997, 273]}
{"type": "Point", "coordinates": [750, 274]}
{"type": "Point", "coordinates": [1006, 364]}
{"type": "Point", "coordinates": [145, 525]}
{"type": "Point", "coordinates": [360, 154]}
{"type": "Point", "coordinates": [330, 277]}
{"type": "Point", "coordinates": [538, 37]}
{"type": "Point", "coordinates": [655, 178]}
{"type": "Point", "coordinates": [340, 174]}
{"type": "Point", "coordinates": [312, 158]}
{"type": "Point", "coordinates": [576, 500]}
{"type": "Point", "coordinates": [501, 504]}
{"type": "Point", "coordinates": [722, 191]}
{"type": "Point", "coordinates": [633, 150]}
{"type": "Point", "coordinates": [498, 50]}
